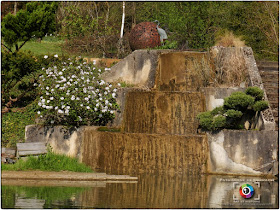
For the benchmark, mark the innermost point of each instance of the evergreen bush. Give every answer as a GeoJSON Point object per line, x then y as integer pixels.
{"type": "Point", "coordinates": [238, 101]}
{"type": "Point", "coordinates": [256, 92]}
{"type": "Point", "coordinates": [237, 105]}
{"type": "Point", "coordinates": [219, 122]}
{"type": "Point", "coordinates": [260, 105]}
{"type": "Point", "coordinates": [19, 72]}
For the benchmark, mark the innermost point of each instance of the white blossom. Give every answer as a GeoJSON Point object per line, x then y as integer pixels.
{"type": "Point", "coordinates": [60, 111]}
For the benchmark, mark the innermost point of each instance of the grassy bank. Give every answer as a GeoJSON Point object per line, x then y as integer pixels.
{"type": "Point", "coordinates": [13, 125]}
{"type": "Point", "coordinates": [47, 162]}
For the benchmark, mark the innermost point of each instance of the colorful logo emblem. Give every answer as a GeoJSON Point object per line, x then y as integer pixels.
{"type": "Point", "coordinates": [246, 191]}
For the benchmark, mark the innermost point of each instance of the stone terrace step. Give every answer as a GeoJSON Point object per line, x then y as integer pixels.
{"type": "Point", "coordinates": [269, 76]}
{"type": "Point", "coordinates": [267, 64]}
{"type": "Point", "coordinates": [269, 72]}
{"type": "Point", "coordinates": [268, 68]}
{"type": "Point", "coordinates": [271, 89]}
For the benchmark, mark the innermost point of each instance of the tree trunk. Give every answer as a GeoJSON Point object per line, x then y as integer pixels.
{"type": "Point", "coordinates": [123, 17]}
{"type": "Point", "coordinates": [120, 42]}
{"type": "Point", "coordinates": [15, 8]}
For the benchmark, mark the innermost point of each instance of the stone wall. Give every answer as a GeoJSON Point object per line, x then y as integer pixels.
{"type": "Point", "coordinates": [136, 153]}
{"type": "Point", "coordinates": [62, 140]}
{"type": "Point", "coordinates": [243, 152]}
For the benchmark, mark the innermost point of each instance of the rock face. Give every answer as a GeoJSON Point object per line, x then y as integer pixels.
{"type": "Point", "coordinates": [144, 35]}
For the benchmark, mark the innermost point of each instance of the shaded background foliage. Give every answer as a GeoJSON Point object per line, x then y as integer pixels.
{"type": "Point", "coordinates": [94, 27]}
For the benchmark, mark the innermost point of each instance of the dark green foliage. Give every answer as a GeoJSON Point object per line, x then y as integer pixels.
{"type": "Point", "coordinates": [205, 120]}
{"type": "Point", "coordinates": [13, 125]}
{"type": "Point", "coordinates": [260, 106]}
{"type": "Point", "coordinates": [238, 101]}
{"type": "Point", "coordinates": [218, 110]}
{"type": "Point", "coordinates": [237, 105]}
{"type": "Point", "coordinates": [231, 113]}
{"type": "Point", "coordinates": [35, 21]}
{"type": "Point", "coordinates": [19, 73]}
{"type": "Point", "coordinates": [219, 122]}
{"type": "Point", "coordinates": [256, 92]}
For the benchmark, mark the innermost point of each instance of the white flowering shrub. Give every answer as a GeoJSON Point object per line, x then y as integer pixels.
{"type": "Point", "coordinates": [73, 94]}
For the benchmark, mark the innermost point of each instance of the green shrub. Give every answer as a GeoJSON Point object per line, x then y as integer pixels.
{"type": "Point", "coordinates": [238, 101]}
{"type": "Point", "coordinates": [231, 113]}
{"type": "Point", "coordinates": [168, 45]}
{"type": "Point", "coordinates": [218, 110]}
{"type": "Point", "coordinates": [235, 106]}
{"type": "Point", "coordinates": [256, 92]}
{"type": "Point", "coordinates": [218, 122]}
{"type": "Point", "coordinates": [205, 120]}
{"type": "Point", "coordinates": [260, 106]}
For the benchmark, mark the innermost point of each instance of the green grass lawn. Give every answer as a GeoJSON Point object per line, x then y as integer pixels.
{"type": "Point", "coordinates": [44, 47]}
{"type": "Point", "coordinates": [48, 45]}
{"type": "Point", "coordinates": [48, 162]}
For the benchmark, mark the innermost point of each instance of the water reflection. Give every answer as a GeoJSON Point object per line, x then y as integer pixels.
{"type": "Point", "coordinates": [151, 191]}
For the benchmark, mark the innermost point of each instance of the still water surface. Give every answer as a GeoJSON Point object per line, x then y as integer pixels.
{"type": "Point", "coordinates": [151, 191]}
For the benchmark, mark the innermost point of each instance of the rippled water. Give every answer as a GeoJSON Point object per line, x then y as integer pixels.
{"type": "Point", "coordinates": [151, 191]}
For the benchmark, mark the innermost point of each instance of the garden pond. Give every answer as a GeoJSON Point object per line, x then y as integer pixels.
{"type": "Point", "coordinates": [150, 191]}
